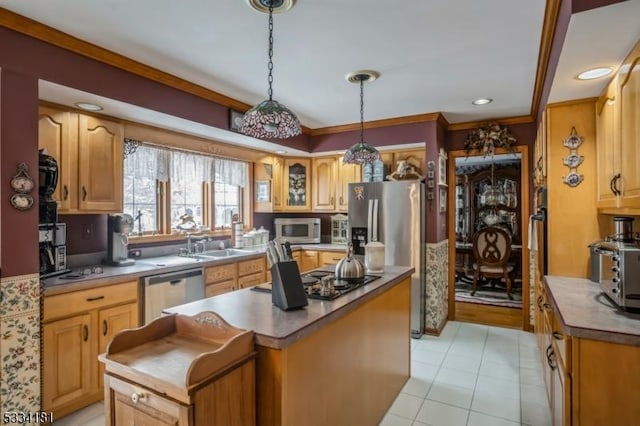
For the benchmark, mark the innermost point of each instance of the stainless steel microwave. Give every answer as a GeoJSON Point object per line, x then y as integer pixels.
{"type": "Point", "coordinates": [298, 230]}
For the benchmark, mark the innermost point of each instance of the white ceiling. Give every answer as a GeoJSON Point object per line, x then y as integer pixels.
{"type": "Point", "coordinates": [433, 56]}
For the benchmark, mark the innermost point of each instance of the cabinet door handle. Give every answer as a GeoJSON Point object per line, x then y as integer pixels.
{"type": "Point", "coordinates": [84, 193]}
{"type": "Point", "coordinates": [546, 306]}
{"type": "Point", "coordinates": [65, 192]}
{"type": "Point", "coordinates": [540, 303]}
{"type": "Point", "coordinates": [105, 327]}
{"type": "Point", "coordinates": [550, 355]}
{"type": "Point", "coordinates": [331, 201]}
{"type": "Point", "coordinates": [614, 183]}
{"type": "Point", "coordinates": [136, 397]}
{"type": "Point", "coordinates": [85, 332]}
{"type": "Point", "coordinates": [93, 299]}
{"type": "Point", "coordinates": [556, 335]}
{"type": "Point", "coordinates": [341, 200]}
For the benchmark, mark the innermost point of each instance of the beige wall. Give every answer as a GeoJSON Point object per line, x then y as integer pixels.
{"type": "Point", "coordinates": [573, 216]}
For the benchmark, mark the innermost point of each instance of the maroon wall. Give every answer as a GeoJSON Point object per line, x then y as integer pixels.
{"type": "Point", "coordinates": [380, 136]}
{"type": "Point", "coordinates": [18, 143]}
{"type": "Point", "coordinates": [582, 5]}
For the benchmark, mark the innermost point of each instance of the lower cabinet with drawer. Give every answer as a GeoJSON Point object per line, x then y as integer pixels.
{"type": "Point", "coordinates": [77, 326]}
{"type": "Point", "coordinates": [222, 279]}
{"type": "Point", "coordinates": [326, 258]}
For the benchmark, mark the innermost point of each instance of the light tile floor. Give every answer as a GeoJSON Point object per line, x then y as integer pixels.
{"type": "Point", "coordinates": [470, 375]}
{"type": "Point", "coordinates": [473, 375]}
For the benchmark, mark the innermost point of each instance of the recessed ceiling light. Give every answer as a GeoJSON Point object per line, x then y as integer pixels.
{"type": "Point", "coordinates": [88, 106]}
{"type": "Point", "coordinates": [482, 101]}
{"type": "Point", "coordinates": [594, 73]}
{"type": "Point", "coordinates": [280, 151]}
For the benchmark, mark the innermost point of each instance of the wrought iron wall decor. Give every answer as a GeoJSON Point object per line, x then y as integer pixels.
{"type": "Point", "coordinates": [573, 160]}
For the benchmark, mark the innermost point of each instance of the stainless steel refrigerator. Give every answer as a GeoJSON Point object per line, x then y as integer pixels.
{"type": "Point", "coordinates": [394, 214]}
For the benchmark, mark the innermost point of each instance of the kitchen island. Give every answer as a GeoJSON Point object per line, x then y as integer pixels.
{"type": "Point", "coordinates": [339, 362]}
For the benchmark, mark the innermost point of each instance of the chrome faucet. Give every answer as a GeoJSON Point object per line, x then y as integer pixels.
{"type": "Point", "coordinates": [190, 238]}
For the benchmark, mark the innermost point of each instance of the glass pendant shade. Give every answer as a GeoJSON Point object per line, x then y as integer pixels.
{"type": "Point", "coordinates": [270, 119]}
{"type": "Point", "coordinates": [361, 153]}
{"type": "Point", "coordinates": [491, 219]}
{"type": "Point", "coordinates": [493, 196]}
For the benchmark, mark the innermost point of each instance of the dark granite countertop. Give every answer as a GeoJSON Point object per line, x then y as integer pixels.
{"type": "Point", "coordinates": [156, 265]}
{"type": "Point", "coordinates": [587, 313]}
{"type": "Point", "coordinates": [253, 310]}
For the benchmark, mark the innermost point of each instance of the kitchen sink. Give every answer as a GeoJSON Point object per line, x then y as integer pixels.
{"type": "Point", "coordinates": [228, 253]}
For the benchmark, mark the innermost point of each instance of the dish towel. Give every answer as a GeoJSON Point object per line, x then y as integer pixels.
{"type": "Point", "coordinates": [533, 234]}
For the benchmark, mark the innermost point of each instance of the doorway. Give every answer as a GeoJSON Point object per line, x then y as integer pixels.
{"type": "Point", "coordinates": [470, 177]}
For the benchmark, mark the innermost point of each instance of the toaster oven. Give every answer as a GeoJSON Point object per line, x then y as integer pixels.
{"type": "Point", "coordinates": [620, 273]}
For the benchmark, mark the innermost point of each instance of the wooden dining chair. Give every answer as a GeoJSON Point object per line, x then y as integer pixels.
{"type": "Point", "coordinates": [491, 249]}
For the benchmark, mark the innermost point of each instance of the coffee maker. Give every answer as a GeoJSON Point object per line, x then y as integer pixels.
{"type": "Point", "coordinates": [118, 228]}
{"type": "Point", "coordinates": [53, 250]}
{"type": "Point", "coordinates": [48, 180]}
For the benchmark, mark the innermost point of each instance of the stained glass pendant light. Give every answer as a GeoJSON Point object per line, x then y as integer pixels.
{"type": "Point", "coordinates": [361, 153]}
{"type": "Point", "coordinates": [270, 119]}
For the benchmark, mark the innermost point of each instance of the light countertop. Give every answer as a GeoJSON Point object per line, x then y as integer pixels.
{"type": "Point", "coordinates": [253, 310]}
{"type": "Point", "coordinates": [587, 313]}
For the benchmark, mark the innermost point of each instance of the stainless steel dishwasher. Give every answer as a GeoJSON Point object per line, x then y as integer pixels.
{"type": "Point", "coordinates": [171, 289]}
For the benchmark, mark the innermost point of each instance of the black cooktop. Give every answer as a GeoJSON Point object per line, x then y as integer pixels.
{"type": "Point", "coordinates": [341, 286]}
{"type": "Point", "coordinates": [312, 285]}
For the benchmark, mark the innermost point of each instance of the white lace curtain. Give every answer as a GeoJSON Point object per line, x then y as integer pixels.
{"type": "Point", "coordinates": [148, 162]}
{"type": "Point", "coordinates": [160, 163]}
{"type": "Point", "coordinates": [231, 172]}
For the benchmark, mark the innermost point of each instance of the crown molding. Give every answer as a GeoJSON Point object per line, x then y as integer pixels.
{"type": "Point", "coordinates": [509, 121]}
{"type": "Point", "coordinates": [387, 122]}
{"type": "Point", "coordinates": [42, 32]}
{"type": "Point", "coordinates": [551, 14]}
{"type": "Point", "coordinates": [573, 102]}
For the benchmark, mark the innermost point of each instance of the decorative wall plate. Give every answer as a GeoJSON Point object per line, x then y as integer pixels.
{"type": "Point", "coordinates": [573, 160]}
{"type": "Point", "coordinates": [21, 201]}
{"type": "Point", "coordinates": [573, 179]}
{"type": "Point", "coordinates": [573, 141]}
{"type": "Point", "coordinates": [21, 182]}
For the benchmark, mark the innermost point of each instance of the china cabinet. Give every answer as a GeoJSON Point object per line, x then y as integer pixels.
{"type": "Point", "coordinates": [487, 208]}
{"type": "Point", "coordinates": [297, 183]}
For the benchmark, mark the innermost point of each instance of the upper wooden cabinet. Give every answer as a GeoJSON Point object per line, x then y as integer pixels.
{"type": "Point", "coordinates": [323, 184]}
{"type": "Point", "coordinates": [330, 183]}
{"type": "Point", "coordinates": [347, 173]}
{"type": "Point", "coordinates": [629, 80]}
{"type": "Point", "coordinates": [89, 152]}
{"type": "Point", "coordinates": [618, 133]}
{"type": "Point", "coordinates": [297, 184]}
{"type": "Point", "coordinates": [606, 145]}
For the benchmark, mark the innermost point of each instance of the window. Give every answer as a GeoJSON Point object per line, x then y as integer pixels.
{"type": "Point", "coordinates": [142, 172]}
{"type": "Point", "coordinates": [165, 187]}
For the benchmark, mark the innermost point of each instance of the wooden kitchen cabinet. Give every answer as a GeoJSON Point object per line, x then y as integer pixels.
{"type": "Point", "coordinates": [308, 260]}
{"type": "Point", "coordinates": [269, 169]}
{"type": "Point", "coordinates": [606, 147]}
{"type": "Point", "coordinates": [222, 279]}
{"type": "Point", "coordinates": [56, 129]}
{"type": "Point", "coordinates": [323, 184]}
{"type": "Point", "coordinates": [77, 326]}
{"type": "Point", "coordinates": [326, 258]}
{"type": "Point", "coordinates": [629, 80]}
{"type": "Point", "coordinates": [617, 115]}
{"type": "Point", "coordinates": [330, 183]}
{"type": "Point", "coordinates": [89, 152]}
{"type": "Point", "coordinates": [297, 184]}
{"type": "Point", "coordinates": [347, 173]}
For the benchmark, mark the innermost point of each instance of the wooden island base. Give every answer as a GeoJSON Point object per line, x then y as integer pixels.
{"type": "Point", "coordinates": [346, 373]}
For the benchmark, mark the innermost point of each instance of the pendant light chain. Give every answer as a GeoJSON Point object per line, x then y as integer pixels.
{"type": "Point", "coordinates": [361, 110]}
{"type": "Point", "coordinates": [270, 79]}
